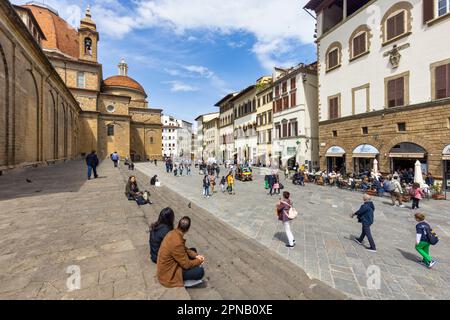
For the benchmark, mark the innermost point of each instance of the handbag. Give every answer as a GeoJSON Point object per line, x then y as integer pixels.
{"type": "Point", "coordinates": [292, 212]}
{"type": "Point", "coordinates": [276, 186]}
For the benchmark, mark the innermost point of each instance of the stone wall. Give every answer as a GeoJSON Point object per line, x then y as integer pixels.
{"type": "Point", "coordinates": [427, 125]}
{"type": "Point", "coordinates": [119, 142]}
{"type": "Point", "coordinates": [38, 114]}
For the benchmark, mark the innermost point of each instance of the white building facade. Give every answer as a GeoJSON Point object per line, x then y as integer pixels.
{"type": "Point", "coordinates": [170, 129]}
{"type": "Point", "coordinates": [184, 141]}
{"type": "Point", "coordinates": [245, 135]}
{"type": "Point", "coordinates": [295, 117]}
{"type": "Point", "coordinates": [384, 84]}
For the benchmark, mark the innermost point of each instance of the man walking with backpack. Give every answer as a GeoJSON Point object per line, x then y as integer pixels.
{"type": "Point", "coordinates": [366, 217]}
{"type": "Point", "coordinates": [424, 238]}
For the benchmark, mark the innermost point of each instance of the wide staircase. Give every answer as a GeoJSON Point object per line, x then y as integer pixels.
{"type": "Point", "coordinates": [237, 267]}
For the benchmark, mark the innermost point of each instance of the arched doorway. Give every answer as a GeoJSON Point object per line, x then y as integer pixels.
{"type": "Point", "coordinates": [446, 159]}
{"type": "Point", "coordinates": [363, 158]}
{"type": "Point", "coordinates": [4, 108]}
{"type": "Point", "coordinates": [335, 159]}
{"type": "Point", "coordinates": [27, 120]}
{"type": "Point", "coordinates": [404, 156]}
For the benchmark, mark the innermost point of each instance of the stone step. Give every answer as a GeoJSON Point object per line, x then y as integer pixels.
{"type": "Point", "coordinates": [237, 267]}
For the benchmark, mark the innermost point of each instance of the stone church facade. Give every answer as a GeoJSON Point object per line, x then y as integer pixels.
{"type": "Point", "coordinates": [54, 103]}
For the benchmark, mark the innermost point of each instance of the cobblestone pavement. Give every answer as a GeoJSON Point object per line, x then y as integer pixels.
{"type": "Point", "coordinates": [237, 267]}
{"type": "Point", "coordinates": [60, 219]}
{"type": "Point", "coordinates": [324, 232]}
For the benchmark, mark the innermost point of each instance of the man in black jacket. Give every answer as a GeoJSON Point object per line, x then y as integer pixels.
{"type": "Point", "coordinates": [365, 217]}
{"type": "Point", "coordinates": [92, 163]}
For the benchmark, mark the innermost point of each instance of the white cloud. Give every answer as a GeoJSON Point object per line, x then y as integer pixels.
{"type": "Point", "coordinates": [276, 24]}
{"type": "Point", "coordinates": [179, 86]}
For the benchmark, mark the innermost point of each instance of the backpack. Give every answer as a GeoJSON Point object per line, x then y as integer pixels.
{"type": "Point", "coordinates": [433, 238]}
{"type": "Point", "coordinates": [292, 213]}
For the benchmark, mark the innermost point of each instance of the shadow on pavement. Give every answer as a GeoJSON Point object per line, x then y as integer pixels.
{"type": "Point", "coordinates": [27, 182]}
{"type": "Point", "coordinates": [409, 256]}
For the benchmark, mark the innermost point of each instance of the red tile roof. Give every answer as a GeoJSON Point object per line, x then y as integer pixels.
{"type": "Point", "coordinates": [59, 34]}
{"type": "Point", "coordinates": [123, 81]}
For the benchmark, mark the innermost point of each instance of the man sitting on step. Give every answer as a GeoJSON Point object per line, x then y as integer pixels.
{"type": "Point", "coordinates": [178, 266]}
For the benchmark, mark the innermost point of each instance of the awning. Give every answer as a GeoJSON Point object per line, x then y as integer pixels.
{"type": "Point", "coordinates": [365, 151]}
{"type": "Point", "coordinates": [446, 153]}
{"type": "Point", "coordinates": [407, 155]}
{"type": "Point", "coordinates": [287, 158]}
{"type": "Point", "coordinates": [335, 152]}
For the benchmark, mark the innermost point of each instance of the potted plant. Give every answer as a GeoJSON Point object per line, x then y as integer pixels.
{"type": "Point", "coordinates": [437, 192]}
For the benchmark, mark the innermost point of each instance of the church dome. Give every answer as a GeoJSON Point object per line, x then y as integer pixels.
{"type": "Point", "coordinates": [123, 82]}
{"type": "Point", "coordinates": [60, 36]}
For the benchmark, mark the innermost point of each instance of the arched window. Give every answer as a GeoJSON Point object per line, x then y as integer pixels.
{"type": "Point", "coordinates": [359, 42]}
{"type": "Point", "coordinates": [397, 22]}
{"type": "Point", "coordinates": [110, 130]}
{"type": "Point", "coordinates": [88, 46]}
{"type": "Point", "coordinates": [334, 56]}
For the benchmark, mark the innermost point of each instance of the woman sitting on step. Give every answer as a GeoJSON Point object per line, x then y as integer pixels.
{"type": "Point", "coordinates": [132, 192]}
{"type": "Point", "coordinates": [158, 231]}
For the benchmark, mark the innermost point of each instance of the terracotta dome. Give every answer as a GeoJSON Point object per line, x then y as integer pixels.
{"type": "Point", "coordinates": [123, 82]}
{"type": "Point", "coordinates": [60, 36]}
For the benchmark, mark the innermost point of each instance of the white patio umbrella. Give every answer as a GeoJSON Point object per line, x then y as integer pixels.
{"type": "Point", "coordinates": [375, 166]}
{"type": "Point", "coordinates": [418, 177]}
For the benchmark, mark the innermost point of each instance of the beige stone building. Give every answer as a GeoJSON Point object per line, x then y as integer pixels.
{"type": "Point", "coordinates": [384, 84]}
{"type": "Point", "coordinates": [38, 114]}
{"type": "Point", "coordinates": [72, 109]}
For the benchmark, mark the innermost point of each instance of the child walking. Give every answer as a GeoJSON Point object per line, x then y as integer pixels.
{"type": "Point", "coordinates": [416, 195]}
{"type": "Point", "coordinates": [423, 230]}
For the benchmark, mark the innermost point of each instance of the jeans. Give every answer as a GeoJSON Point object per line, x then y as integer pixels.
{"type": "Point", "coordinates": [195, 273]}
{"type": "Point", "coordinates": [366, 232]}
{"type": "Point", "coordinates": [206, 191]}
{"type": "Point", "coordinates": [115, 163]}
{"type": "Point", "coordinates": [90, 169]}
{"type": "Point", "coordinates": [287, 229]}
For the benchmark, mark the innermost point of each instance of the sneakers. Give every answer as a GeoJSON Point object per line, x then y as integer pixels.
{"type": "Point", "coordinates": [372, 250]}
{"type": "Point", "coordinates": [402, 206]}
{"type": "Point", "coordinates": [289, 246]}
{"type": "Point", "coordinates": [357, 241]}
{"type": "Point", "coordinates": [192, 283]}
{"type": "Point", "coordinates": [432, 263]}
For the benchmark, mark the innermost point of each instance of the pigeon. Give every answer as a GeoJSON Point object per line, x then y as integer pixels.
{"type": "Point", "coordinates": [28, 180]}
{"type": "Point", "coordinates": [189, 205]}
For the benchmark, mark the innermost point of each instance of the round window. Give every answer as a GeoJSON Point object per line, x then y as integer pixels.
{"type": "Point", "coordinates": [110, 109]}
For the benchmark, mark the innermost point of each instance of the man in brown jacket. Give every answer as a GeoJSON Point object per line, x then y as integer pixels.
{"type": "Point", "coordinates": [178, 266]}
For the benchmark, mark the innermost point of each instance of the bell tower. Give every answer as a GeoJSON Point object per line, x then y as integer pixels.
{"type": "Point", "coordinates": [88, 37]}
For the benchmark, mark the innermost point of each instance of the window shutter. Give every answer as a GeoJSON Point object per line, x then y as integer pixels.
{"type": "Point", "coordinates": [400, 23]}
{"type": "Point", "coordinates": [441, 82]}
{"type": "Point", "coordinates": [428, 10]}
{"type": "Point", "coordinates": [390, 28]}
{"type": "Point", "coordinates": [400, 92]}
{"type": "Point", "coordinates": [448, 80]}
{"type": "Point", "coordinates": [356, 47]}
{"type": "Point", "coordinates": [362, 43]}
{"type": "Point", "coordinates": [391, 93]}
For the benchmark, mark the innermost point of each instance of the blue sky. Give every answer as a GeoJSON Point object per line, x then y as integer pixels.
{"type": "Point", "coordinates": [189, 54]}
